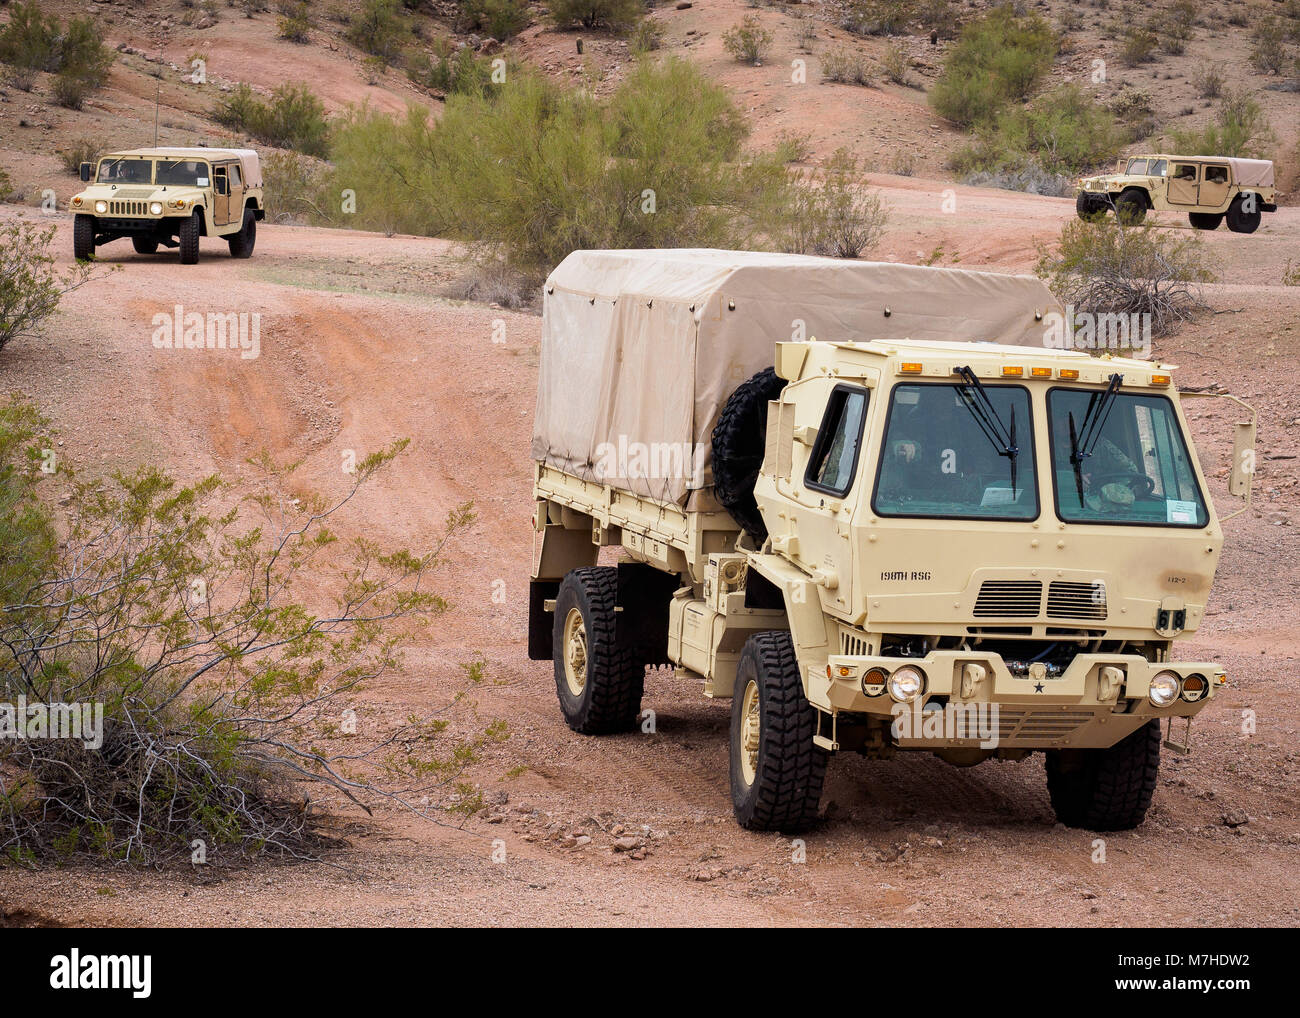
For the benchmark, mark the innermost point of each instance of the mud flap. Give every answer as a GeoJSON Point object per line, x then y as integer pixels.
{"type": "Point", "coordinates": [644, 594]}
{"type": "Point", "coordinates": [540, 621]}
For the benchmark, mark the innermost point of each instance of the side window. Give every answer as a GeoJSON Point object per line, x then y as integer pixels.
{"type": "Point", "coordinates": [834, 459]}
{"type": "Point", "coordinates": [236, 179]}
{"type": "Point", "coordinates": [1158, 167]}
{"type": "Point", "coordinates": [1216, 174]}
{"type": "Point", "coordinates": [1184, 171]}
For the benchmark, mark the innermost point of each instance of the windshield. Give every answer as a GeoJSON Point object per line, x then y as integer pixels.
{"type": "Point", "coordinates": [1136, 471]}
{"type": "Point", "coordinates": [191, 172]}
{"type": "Point", "coordinates": [1145, 167]}
{"type": "Point", "coordinates": [125, 171]}
{"type": "Point", "coordinates": [937, 460]}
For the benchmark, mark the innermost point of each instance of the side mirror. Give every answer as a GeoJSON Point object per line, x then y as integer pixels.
{"type": "Point", "coordinates": [84, 172]}
{"type": "Point", "coordinates": [1121, 166]}
{"type": "Point", "coordinates": [222, 185]}
{"type": "Point", "coordinates": [778, 454]}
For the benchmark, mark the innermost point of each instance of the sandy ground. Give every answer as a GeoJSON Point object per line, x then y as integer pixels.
{"type": "Point", "coordinates": [357, 350]}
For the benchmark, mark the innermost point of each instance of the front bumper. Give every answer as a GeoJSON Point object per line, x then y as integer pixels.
{"type": "Point", "coordinates": [1094, 702]}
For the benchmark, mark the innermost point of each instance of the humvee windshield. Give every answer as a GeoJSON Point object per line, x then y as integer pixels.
{"type": "Point", "coordinates": [939, 460]}
{"type": "Point", "coordinates": [188, 172]}
{"type": "Point", "coordinates": [125, 171]}
{"type": "Point", "coordinates": [1147, 167]}
{"type": "Point", "coordinates": [1137, 471]}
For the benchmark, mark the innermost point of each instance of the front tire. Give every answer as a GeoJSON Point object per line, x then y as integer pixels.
{"type": "Point", "coordinates": [243, 242]}
{"type": "Point", "coordinates": [1205, 220]}
{"type": "Point", "coordinates": [83, 238]}
{"type": "Point", "coordinates": [145, 245]}
{"type": "Point", "coordinates": [1084, 206]}
{"type": "Point", "coordinates": [1106, 789]}
{"type": "Point", "coordinates": [598, 682]}
{"type": "Point", "coordinates": [1131, 206]}
{"type": "Point", "coordinates": [1241, 221]}
{"type": "Point", "coordinates": [776, 770]}
{"type": "Point", "coordinates": [189, 238]}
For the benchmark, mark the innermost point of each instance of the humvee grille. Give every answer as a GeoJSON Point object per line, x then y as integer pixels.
{"type": "Point", "coordinates": [1009, 599]}
{"type": "Point", "coordinates": [1067, 599]}
{"type": "Point", "coordinates": [128, 208]}
{"type": "Point", "coordinates": [1039, 725]}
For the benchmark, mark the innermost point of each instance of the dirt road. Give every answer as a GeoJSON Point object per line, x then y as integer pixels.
{"type": "Point", "coordinates": [357, 349]}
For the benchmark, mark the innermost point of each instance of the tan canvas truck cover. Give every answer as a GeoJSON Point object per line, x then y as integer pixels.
{"type": "Point", "coordinates": [249, 161]}
{"type": "Point", "coordinates": [1252, 172]}
{"type": "Point", "coordinates": [640, 349]}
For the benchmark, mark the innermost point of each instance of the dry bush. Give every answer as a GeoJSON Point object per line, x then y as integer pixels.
{"type": "Point", "coordinates": [748, 41]}
{"type": "Point", "coordinates": [846, 67]}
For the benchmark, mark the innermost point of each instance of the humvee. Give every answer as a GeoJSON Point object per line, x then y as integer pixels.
{"type": "Point", "coordinates": [1209, 189]}
{"type": "Point", "coordinates": [928, 513]}
{"type": "Point", "coordinates": [169, 197]}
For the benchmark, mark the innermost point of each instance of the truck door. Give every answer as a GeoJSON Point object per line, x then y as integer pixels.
{"type": "Point", "coordinates": [1184, 184]}
{"type": "Point", "coordinates": [1214, 185]}
{"type": "Point", "coordinates": [826, 494]}
{"type": "Point", "coordinates": [220, 201]}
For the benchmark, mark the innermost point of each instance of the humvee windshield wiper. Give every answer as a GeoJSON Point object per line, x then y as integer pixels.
{"type": "Point", "coordinates": [986, 416]}
{"type": "Point", "coordinates": [1084, 439]}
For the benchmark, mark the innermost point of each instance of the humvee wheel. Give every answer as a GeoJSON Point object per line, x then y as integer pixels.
{"type": "Point", "coordinates": [1084, 206]}
{"type": "Point", "coordinates": [189, 237]}
{"type": "Point", "coordinates": [1131, 205]}
{"type": "Point", "coordinates": [1205, 220]}
{"type": "Point", "coordinates": [1106, 789]}
{"type": "Point", "coordinates": [243, 242]}
{"type": "Point", "coordinates": [1240, 221]}
{"type": "Point", "coordinates": [83, 238]}
{"type": "Point", "coordinates": [776, 770]}
{"type": "Point", "coordinates": [144, 245]}
{"type": "Point", "coordinates": [599, 683]}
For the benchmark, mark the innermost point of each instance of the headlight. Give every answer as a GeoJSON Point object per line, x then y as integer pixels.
{"type": "Point", "coordinates": [906, 684]}
{"type": "Point", "coordinates": [179, 203]}
{"type": "Point", "coordinates": [101, 207]}
{"type": "Point", "coordinates": [1164, 689]}
{"type": "Point", "coordinates": [155, 208]}
{"type": "Point", "coordinates": [1194, 687]}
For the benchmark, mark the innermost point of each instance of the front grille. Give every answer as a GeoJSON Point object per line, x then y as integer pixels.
{"type": "Point", "coordinates": [1040, 726]}
{"type": "Point", "coordinates": [128, 208]}
{"type": "Point", "coordinates": [1067, 599]}
{"type": "Point", "coordinates": [1013, 599]}
{"type": "Point", "coordinates": [852, 645]}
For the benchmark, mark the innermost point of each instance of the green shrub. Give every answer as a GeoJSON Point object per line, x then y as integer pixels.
{"type": "Point", "coordinates": [30, 286]}
{"type": "Point", "coordinates": [534, 172]}
{"type": "Point", "coordinates": [646, 37]}
{"type": "Point", "coordinates": [1208, 80]}
{"type": "Point", "coordinates": [878, 17]}
{"type": "Point", "coordinates": [293, 118]}
{"type": "Point", "coordinates": [1064, 132]}
{"type": "Point", "coordinates": [615, 15]}
{"type": "Point", "coordinates": [1103, 266]}
{"type": "Point", "coordinates": [6, 184]}
{"type": "Point", "coordinates": [447, 70]}
{"type": "Point", "coordinates": [70, 91]}
{"type": "Point", "coordinates": [1138, 47]}
{"type": "Point", "coordinates": [380, 30]}
{"type": "Point", "coordinates": [501, 19]}
{"type": "Point", "coordinates": [1240, 128]}
{"type": "Point", "coordinates": [1269, 53]}
{"type": "Point", "coordinates": [296, 23]}
{"type": "Point", "coordinates": [32, 42]}
{"type": "Point", "coordinates": [846, 67]}
{"type": "Point", "coordinates": [897, 64]}
{"type": "Point", "coordinates": [940, 17]}
{"type": "Point", "coordinates": [748, 41]}
{"type": "Point", "coordinates": [997, 59]}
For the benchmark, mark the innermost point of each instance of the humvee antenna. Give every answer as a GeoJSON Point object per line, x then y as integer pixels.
{"type": "Point", "coordinates": [156, 96]}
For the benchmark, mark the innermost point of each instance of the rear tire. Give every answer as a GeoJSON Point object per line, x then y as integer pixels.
{"type": "Point", "coordinates": [739, 440]}
{"type": "Point", "coordinates": [243, 242]}
{"type": "Point", "coordinates": [189, 238]}
{"type": "Point", "coordinates": [1131, 206]}
{"type": "Point", "coordinates": [1205, 220]}
{"type": "Point", "coordinates": [776, 770]}
{"type": "Point", "coordinates": [83, 238]}
{"type": "Point", "coordinates": [1240, 221]}
{"type": "Point", "coordinates": [145, 245]}
{"type": "Point", "coordinates": [599, 683]}
{"type": "Point", "coordinates": [1106, 789]}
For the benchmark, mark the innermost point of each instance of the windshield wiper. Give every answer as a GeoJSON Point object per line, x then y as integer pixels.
{"type": "Point", "coordinates": [1084, 439]}
{"type": "Point", "coordinates": [1002, 437]}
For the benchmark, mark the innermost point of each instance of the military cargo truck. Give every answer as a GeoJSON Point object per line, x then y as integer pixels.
{"type": "Point", "coordinates": [1209, 189]}
{"type": "Point", "coordinates": [169, 197]}
{"type": "Point", "coordinates": [866, 501]}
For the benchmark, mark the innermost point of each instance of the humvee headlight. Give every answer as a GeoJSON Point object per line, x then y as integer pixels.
{"type": "Point", "coordinates": [155, 208]}
{"type": "Point", "coordinates": [1164, 689]}
{"type": "Point", "coordinates": [906, 684]}
{"type": "Point", "coordinates": [1194, 687]}
{"type": "Point", "coordinates": [179, 203]}
{"type": "Point", "coordinates": [101, 207]}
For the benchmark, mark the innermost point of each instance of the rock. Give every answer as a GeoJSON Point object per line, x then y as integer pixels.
{"type": "Point", "coordinates": [1234, 818]}
{"type": "Point", "coordinates": [703, 876]}
{"type": "Point", "coordinates": [581, 841]}
{"type": "Point", "coordinates": [1087, 895]}
{"type": "Point", "coordinates": [684, 6]}
{"type": "Point", "coordinates": [627, 844]}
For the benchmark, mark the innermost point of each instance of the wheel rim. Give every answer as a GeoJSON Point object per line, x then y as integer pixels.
{"type": "Point", "coordinates": [751, 732]}
{"type": "Point", "coordinates": [575, 652]}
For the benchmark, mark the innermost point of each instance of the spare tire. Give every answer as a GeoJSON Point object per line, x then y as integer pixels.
{"type": "Point", "coordinates": [739, 440]}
